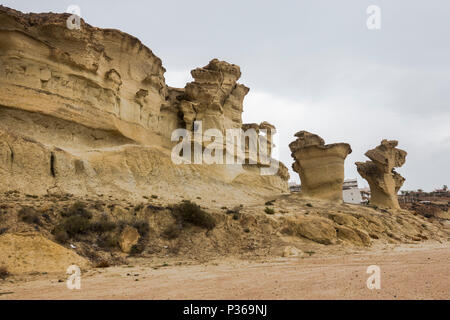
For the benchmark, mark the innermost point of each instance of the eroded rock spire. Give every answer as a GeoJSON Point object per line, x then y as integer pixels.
{"type": "Point", "coordinates": [384, 182]}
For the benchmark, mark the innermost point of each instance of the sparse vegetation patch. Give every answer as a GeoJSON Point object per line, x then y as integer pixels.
{"type": "Point", "coordinates": [190, 212]}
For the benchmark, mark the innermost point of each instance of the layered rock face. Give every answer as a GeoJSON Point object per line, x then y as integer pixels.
{"type": "Point", "coordinates": [88, 110]}
{"type": "Point", "coordinates": [320, 166]}
{"type": "Point", "coordinates": [384, 182]}
{"type": "Point", "coordinates": [100, 78]}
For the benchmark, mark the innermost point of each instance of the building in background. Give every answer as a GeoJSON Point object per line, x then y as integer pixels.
{"type": "Point", "coordinates": [351, 192]}
{"type": "Point", "coordinates": [365, 195]}
{"type": "Point", "coordinates": [294, 187]}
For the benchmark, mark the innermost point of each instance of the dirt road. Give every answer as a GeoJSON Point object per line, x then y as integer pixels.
{"type": "Point", "coordinates": [406, 273]}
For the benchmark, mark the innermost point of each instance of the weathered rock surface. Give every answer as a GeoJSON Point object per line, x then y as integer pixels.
{"type": "Point", "coordinates": [128, 238]}
{"type": "Point", "coordinates": [384, 182]}
{"type": "Point", "coordinates": [314, 228]}
{"type": "Point", "coordinates": [24, 253]}
{"type": "Point", "coordinates": [320, 166]}
{"type": "Point", "coordinates": [101, 78]}
{"type": "Point", "coordinates": [88, 111]}
{"type": "Point", "coordinates": [354, 236]}
{"type": "Point", "coordinates": [290, 251]}
{"type": "Point", "coordinates": [214, 97]}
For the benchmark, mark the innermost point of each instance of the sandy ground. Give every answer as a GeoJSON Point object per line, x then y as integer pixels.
{"type": "Point", "coordinates": [407, 272]}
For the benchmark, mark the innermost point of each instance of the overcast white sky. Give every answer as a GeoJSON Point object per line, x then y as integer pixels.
{"type": "Point", "coordinates": [311, 65]}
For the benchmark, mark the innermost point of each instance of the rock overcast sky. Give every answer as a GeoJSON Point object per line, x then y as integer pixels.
{"type": "Point", "coordinates": [311, 65]}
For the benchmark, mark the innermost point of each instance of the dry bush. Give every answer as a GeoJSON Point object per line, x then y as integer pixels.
{"type": "Point", "coordinates": [77, 220]}
{"type": "Point", "coordinates": [103, 225]}
{"type": "Point", "coordinates": [190, 212]}
{"type": "Point", "coordinates": [29, 215]}
{"type": "Point", "coordinates": [142, 227]}
{"type": "Point", "coordinates": [75, 225]}
{"type": "Point", "coordinates": [60, 234]}
{"type": "Point", "coordinates": [102, 264]}
{"type": "Point", "coordinates": [137, 248]}
{"type": "Point", "coordinates": [70, 227]}
{"type": "Point", "coordinates": [173, 231]}
{"type": "Point", "coordinates": [4, 272]}
{"type": "Point", "coordinates": [108, 241]}
{"type": "Point", "coordinates": [77, 209]}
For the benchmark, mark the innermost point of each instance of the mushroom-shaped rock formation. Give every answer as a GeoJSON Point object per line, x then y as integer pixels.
{"type": "Point", "coordinates": [384, 182]}
{"type": "Point", "coordinates": [320, 166]}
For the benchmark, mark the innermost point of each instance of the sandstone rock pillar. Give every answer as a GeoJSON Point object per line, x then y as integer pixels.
{"type": "Point", "coordinates": [320, 166]}
{"type": "Point", "coordinates": [384, 182]}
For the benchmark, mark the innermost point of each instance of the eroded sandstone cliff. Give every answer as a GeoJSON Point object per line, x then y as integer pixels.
{"type": "Point", "coordinates": [88, 111]}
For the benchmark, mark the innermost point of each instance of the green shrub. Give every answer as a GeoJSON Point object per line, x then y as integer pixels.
{"type": "Point", "coordinates": [309, 205]}
{"type": "Point", "coordinates": [269, 210]}
{"type": "Point", "coordinates": [29, 215]}
{"type": "Point", "coordinates": [190, 212]}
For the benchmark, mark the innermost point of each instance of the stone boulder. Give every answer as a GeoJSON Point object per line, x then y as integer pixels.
{"type": "Point", "coordinates": [128, 238]}
{"type": "Point", "coordinates": [290, 251]}
{"type": "Point", "coordinates": [320, 166]}
{"type": "Point", "coordinates": [384, 182]}
{"type": "Point", "coordinates": [314, 228]}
